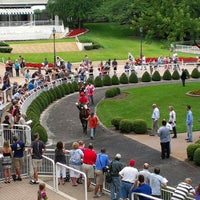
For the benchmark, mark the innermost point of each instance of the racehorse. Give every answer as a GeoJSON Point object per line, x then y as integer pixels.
{"type": "Point", "coordinates": [84, 113]}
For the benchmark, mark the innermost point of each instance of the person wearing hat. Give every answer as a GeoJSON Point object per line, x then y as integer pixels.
{"type": "Point", "coordinates": [129, 174]}
{"type": "Point", "coordinates": [82, 100]}
{"type": "Point", "coordinates": [155, 117]}
{"type": "Point", "coordinates": [115, 167]}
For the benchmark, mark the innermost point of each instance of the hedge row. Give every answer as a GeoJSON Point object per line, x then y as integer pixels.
{"type": "Point", "coordinates": [193, 152]}
{"type": "Point", "coordinates": [139, 126]}
{"type": "Point", "coordinates": [39, 104]}
{"type": "Point", "coordinates": [4, 48]}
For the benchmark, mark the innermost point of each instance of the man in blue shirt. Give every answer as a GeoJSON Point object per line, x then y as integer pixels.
{"type": "Point", "coordinates": [142, 188]}
{"type": "Point", "coordinates": [101, 162]}
{"type": "Point", "coordinates": [18, 148]}
{"type": "Point", "coordinates": [189, 122]}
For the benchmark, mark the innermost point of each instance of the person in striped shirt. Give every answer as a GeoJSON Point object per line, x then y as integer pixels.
{"type": "Point", "coordinates": [183, 190]}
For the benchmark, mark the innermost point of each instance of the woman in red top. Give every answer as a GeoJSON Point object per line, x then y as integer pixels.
{"type": "Point", "coordinates": [93, 122]}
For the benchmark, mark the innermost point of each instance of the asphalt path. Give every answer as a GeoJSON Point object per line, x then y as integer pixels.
{"type": "Point", "coordinates": [62, 122]}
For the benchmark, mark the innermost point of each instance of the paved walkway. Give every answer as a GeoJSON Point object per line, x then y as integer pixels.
{"type": "Point", "coordinates": [142, 148]}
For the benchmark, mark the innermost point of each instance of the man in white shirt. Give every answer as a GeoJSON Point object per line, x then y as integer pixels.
{"type": "Point", "coordinates": [155, 117]}
{"type": "Point", "coordinates": [129, 175]}
{"type": "Point", "coordinates": [146, 173]}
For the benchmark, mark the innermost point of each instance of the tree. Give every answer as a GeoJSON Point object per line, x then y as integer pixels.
{"type": "Point", "coordinates": [174, 20]}
{"type": "Point", "coordinates": [72, 13]}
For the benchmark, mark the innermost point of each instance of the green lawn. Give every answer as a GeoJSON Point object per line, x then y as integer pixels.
{"type": "Point", "coordinates": [138, 104]}
{"type": "Point", "coordinates": [117, 41]}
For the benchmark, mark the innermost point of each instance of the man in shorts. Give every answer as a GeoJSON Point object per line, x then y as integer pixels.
{"type": "Point", "coordinates": [18, 148]}
{"type": "Point", "coordinates": [36, 151]}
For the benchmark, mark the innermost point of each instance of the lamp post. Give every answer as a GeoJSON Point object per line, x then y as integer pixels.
{"type": "Point", "coordinates": [141, 35]}
{"type": "Point", "coordinates": [54, 46]}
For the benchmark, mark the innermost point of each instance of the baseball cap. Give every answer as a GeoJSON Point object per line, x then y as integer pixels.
{"type": "Point", "coordinates": [118, 156]}
{"type": "Point", "coordinates": [132, 162]}
{"type": "Point", "coordinates": [82, 93]}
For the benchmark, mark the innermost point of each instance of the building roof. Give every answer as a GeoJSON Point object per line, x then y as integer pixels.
{"type": "Point", "coordinates": [19, 11]}
{"type": "Point", "coordinates": [17, 3]}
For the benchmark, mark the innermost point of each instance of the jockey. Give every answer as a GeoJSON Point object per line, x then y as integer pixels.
{"type": "Point", "coordinates": [82, 100]}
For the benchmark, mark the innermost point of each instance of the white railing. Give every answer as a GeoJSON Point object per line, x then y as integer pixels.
{"type": "Point", "coordinates": [23, 132]}
{"type": "Point", "coordinates": [188, 49]}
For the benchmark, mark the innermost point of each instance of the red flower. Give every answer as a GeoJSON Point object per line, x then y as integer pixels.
{"type": "Point", "coordinates": [76, 32]}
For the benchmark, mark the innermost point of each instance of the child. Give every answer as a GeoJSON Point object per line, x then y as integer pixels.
{"type": "Point", "coordinates": [42, 195]}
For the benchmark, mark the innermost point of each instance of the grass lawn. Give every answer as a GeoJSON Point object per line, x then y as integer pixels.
{"type": "Point", "coordinates": [117, 41]}
{"type": "Point", "coordinates": [138, 104]}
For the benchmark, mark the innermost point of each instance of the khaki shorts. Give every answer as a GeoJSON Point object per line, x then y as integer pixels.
{"type": "Point", "coordinates": [36, 163]}
{"type": "Point", "coordinates": [99, 177]}
{"type": "Point", "coordinates": [18, 162]}
{"type": "Point", "coordinates": [88, 170]}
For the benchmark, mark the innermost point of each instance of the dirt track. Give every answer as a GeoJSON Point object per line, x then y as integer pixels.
{"type": "Point", "coordinates": [44, 47]}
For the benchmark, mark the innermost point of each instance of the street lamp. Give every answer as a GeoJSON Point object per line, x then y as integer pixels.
{"type": "Point", "coordinates": [54, 46]}
{"type": "Point", "coordinates": [141, 35]}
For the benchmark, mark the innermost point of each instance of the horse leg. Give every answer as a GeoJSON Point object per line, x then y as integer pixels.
{"type": "Point", "coordinates": [84, 127]}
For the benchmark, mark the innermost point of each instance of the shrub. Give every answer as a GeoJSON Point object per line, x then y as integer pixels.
{"type": "Point", "coordinates": [133, 78]}
{"type": "Point", "coordinates": [3, 44]}
{"type": "Point", "coordinates": [167, 75]}
{"type": "Point", "coordinates": [98, 82]}
{"type": "Point", "coordinates": [110, 93]}
{"type": "Point", "coordinates": [156, 76]}
{"type": "Point", "coordinates": [126, 126]}
{"type": "Point", "coordinates": [195, 73]}
{"type": "Point", "coordinates": [67, 89]}
{"type": "Point", "coordinates": [139, 126]}
{"type": "Point", "coordinates": [146, 77]}
{"type": "Point", "coordinates": [191, 149]}
{"type": "Point", "coordinates": [71, 88]}
{"type": "Point", "coordinates": [197, 156]}
{"type": "Point", "coordinates": [175, 75]}
{"type": "Point", "coordinates": [74, 85]}
{"type": "Point", "coordinates": [6, 49]}
{"type": "Point", "coordinates": [123, 79]}
{"type": "Point", "coordinates": [107, 80]}
{"type": "Point", "coordinates": [197, 142]}
{"type": "Point", "coordinates": [90, 80]}
{"type": "Point", "coordinates": [187, 73]}
{"type": "Point", "coordinates": [116, 121]}
{"type": "Point", "coordinates": [90, 47]}
{"type": "Point", "coordinates": [115, 80]}
{"type": "Point", "coordinates": [38, 128]}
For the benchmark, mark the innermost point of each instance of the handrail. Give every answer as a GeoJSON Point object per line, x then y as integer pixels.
{"type": "Point", "coordinates": [53, 163]}
{"type": "Point", "coordinates": [70, 168]}
{"type": "Point", "coordinates": [143, 195]}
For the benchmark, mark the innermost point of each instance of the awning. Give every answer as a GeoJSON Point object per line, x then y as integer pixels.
{"type": "Point", "coordinates": [16, 11]}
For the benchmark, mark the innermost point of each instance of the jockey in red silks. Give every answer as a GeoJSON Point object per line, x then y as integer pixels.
{"type": "Point", "coordinates": [82, 100]}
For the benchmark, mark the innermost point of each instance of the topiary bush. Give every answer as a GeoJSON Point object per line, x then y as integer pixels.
{"type": "Point", "coordinates": [38, 128]}
{"type": "Point", "coordinates": [115, 80]}
{"type": "Point", "coordinates": [123, 79]}
{"type": "Point", "coordinates": [139, 126]}
{"type": "Point", "coordinates": [197, 142]}
{"type": "Point", "coordinates": [191, 149]}
{"type": "Point", "coordinates": [187, 73]}
{"type": "Point", "coordinates": [175, 75]}
{"type": "Point", "coordinates": [98, 82]}
{"type": "Point", "coordinates": [146, 77]}
{"type": "Point", "coordinates": [167, 75]}
{"type": "Point", "coordinates": [196, 157]}
{"type": "Point", "coordinates": [75, 85]}
{"type": "Point", "coordinates": [126, 126]}
{"type": "Point", "coordinates": [90, 80]}
{"type": "Point", "coordinates": [133, 78]}
{"type": "Point", "coordinates": [116, 121]}
{"type": "Point", "coordinates": [67, 89]}
{"type": "Point", "coordinates": [71, 88]}
{"type": "Point", "coordinates": [109, 93]}
{"type": "Point", "coordinates": [156, 76]}
{"type": "Point", "coordinates": [195, 73]}
{"type": "Point", "coordinates": [107, 80]}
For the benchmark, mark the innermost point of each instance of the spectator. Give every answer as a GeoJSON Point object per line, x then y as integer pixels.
{"type": "Point", "coordinates": [18, 148]}
{"type": "Point", "coordinates": [129, 175]}
{"type": "Point", "coordinates": [1, 108]}
{"type": "Point", "coordinates": [183, 190]}
{"type": "Point", "coordinates": [115, 167]}
{"type": "Point", "coordinates": [89, 160]}
{"type": "Point", "coordinates": [37, 148]}
{"type": "Point", "coordinates": [7, 161]}
{"type": "Point", "coordinates": [114, 65]}
{"type": "Point", "coordinates": [172, 120]}
{"type": "Point", "coordinates": [16, 66]}
{"type": "Point", "coordinates": [164, 134]}
{"type": "Point", "coordinates": [156, 182]}
{"type": "Point", "coordinates": [142, 188]}
{"type": "Point", "coordinates": [31, 85]}
{"type": "Point", "coordinates": [146, 173]}
{"type": "Point", "coordinates": [75, 162]}
{"type": "Point", "coordinates": [61, 158]}
{"type": "Point", "coordinates": [183, 77]}
{"type": "Point", "coordinates": [155, 117]}
{"type": "Point", "coordinates": [42, 194]}
{"type": "Point", "coordinates": [101, 162]}
{"type": "Point", "coordinates": [189, 123]}
{"type": "Point", "coordinates": [27, 75]}
{"type": "Point", "coordinates": [197, 192]}
{"type": "Point", "coordinates": [93, 122]}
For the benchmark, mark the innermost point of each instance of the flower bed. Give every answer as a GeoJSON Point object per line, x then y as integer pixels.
{"type": "Point", "coordinates": [194, 93]}
{"type": "Point", "coordinates": [76, 32]}
{"type": "Point", "coordinates": [37, 65]}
